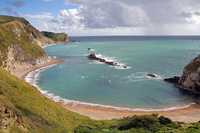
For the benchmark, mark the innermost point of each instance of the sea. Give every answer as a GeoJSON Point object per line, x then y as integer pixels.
{"type": "Point", "coordinates": [83, 80]}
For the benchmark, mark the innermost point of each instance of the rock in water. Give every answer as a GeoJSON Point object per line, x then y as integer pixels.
{"type": "Point", "coordinates": [189, 81]}
{"type": "Point", "coordinates": [152, 75]}
{"type": "Point", "coordinates": [173, 80]}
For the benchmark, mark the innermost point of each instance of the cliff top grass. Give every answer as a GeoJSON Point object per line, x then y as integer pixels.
{"type": "Point", "coordinates": [18, 34]}
{"type": "Point", "coordinates": [58, 37]}
{"type": "Point", "coordinates": [6, 19]}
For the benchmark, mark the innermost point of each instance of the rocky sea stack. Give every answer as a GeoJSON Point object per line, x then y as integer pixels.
{"type": "Point", "coordinates": [190, 79]}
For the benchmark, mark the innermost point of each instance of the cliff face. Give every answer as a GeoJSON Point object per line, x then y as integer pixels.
{"type": "Point", "coordinates": [190, 79]}
{"type": "Point", "coordinates": [20, 44]}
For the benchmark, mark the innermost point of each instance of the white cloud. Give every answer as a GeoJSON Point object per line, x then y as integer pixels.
{"type": "Point", "coordinates": [149, 17]}
{"type": "Point", "coordinates": [66, 20]}
{"type": "Point", "coordinates": [43, 15]}
{"type": "Point", "coordinates": [192, 17]}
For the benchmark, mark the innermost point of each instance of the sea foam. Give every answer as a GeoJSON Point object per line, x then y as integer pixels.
{"type": "Point", "coordinates": [33, 77]}
{"type": "Point", "coordinates": [118, 65]}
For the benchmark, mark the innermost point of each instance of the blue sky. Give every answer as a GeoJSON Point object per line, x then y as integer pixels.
{"type": "Point", "coordinates": [36, 6]}
{"type": "Point", "coordinates": [109, 17]}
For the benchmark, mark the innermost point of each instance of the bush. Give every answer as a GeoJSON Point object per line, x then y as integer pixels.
{"type": "Point", "coordinates": [164, 120]}
{"type": "Point", "coordinates": [146, 122]}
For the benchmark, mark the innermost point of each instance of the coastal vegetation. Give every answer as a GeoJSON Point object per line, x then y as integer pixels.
{"type": "Point", "coordinates": [16, 33]}
{"type": "Point", "coordinates": [20, 44]}
{"type": "Point", "coordinates": [57, 37]}
{"type": "Point", "coordinates": [23, 109]}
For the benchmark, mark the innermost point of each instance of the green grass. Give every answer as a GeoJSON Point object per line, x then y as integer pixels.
{"type": "Point", "coordinates": [17, 34]}
{"type": "Point", "coordinates": [6, 19]}
{"type": "Point", "coordinates": [38, 114]}
{"type": "Point", "coordinates": [57, 37]}
{"type": "Point", "coordinates": [27, 111]}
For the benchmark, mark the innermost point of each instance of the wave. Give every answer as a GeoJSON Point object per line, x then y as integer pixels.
{"type": "Point", "coordinates": [48, 45]}
{"type": "Point", "coordinates": [32, 78]}
{"type": "Point", "coordinates": [142, 76]}
{"type": "Point", "coordinates": [155, 76]}
{"type": "Point", "coordinates": [75, 102]}
{"type": "Point", "coordinates": [118, 64]}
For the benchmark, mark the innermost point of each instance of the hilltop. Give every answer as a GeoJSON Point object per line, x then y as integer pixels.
{"type": "Point", "coordinates": [56, 37]}
{"type": "Point", "coordinates": [20, 44]}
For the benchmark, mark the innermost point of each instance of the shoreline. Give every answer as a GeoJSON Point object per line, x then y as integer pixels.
{"type": "Point", "coordinates": [39, 66]}
{"type": "Point", "coordinates": [187, 113]}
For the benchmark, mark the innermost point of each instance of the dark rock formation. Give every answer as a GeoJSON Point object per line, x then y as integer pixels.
{"type": "Point", "coordinates": [173, 80]}
{"type": "Point", "coordinates": [112, 63]}
{"type": "Point", "coordinates": [190, 79]}
{"type": "Point", "coordinates": [152, 75]}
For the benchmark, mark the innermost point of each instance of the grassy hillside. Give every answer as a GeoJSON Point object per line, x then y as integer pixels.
{"type": "Point", "coordinates": [57, 37]}
{"type": "Point", "coordinates": [24, 109]}
{"type": "Point", "coordinates": [18, 34]}
{"type": "Point", "coordinates": [31, 111]}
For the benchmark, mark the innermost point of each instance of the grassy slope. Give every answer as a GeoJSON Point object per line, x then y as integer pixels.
{"type": "Point", "coordinates": [6, 19]}
{"type": "Point", "coordinates": [28, 49]}
{"type": "Point", "coordinates": [38, 114]}
{"type": "Point", "coordinates": [24, 109]}
{"type": "Point", "coordinates": [57, 37]}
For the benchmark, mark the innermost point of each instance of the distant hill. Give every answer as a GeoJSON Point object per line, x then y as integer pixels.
{"type": "Point", "coordinates": [57, 37]}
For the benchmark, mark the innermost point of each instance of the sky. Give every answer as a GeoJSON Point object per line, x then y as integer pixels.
{"type": "Point", "coordinates": [109, 17]}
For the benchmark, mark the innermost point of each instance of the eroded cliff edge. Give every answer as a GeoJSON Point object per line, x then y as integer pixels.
{"type": "Point", "coordinates": [189, 81]}
{"type": "Point", "coordinates": [20, 45]}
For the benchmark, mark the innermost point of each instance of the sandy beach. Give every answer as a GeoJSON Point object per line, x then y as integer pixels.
{"type": "Point", "coordinates": [188, 113]}
{"type": "Point", "coordinates": [23, 74]}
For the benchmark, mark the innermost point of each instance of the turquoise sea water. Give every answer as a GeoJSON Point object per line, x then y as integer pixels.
{"type": "Point", "coordinates": [83, 80]}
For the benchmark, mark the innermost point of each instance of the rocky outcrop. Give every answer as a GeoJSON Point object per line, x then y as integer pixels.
{"type": "Point", "coordinates": [20, 44]}
{"type": "Point", "coordinates": [173, 80]}
{"type": "Point", "coordinates": [9, 118]}
{"type": "Point", "coordinates": [190, 79]}
{"type": "Point", "coordinates": [16, 61]}
{"type": "Point", "coordinates": [20, 26]}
